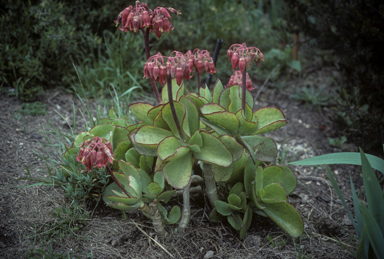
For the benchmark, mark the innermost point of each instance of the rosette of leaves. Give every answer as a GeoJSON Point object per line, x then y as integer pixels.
{"type": "Point", "coordinates": [177, 149]}
{"type": "Point", "coordinates": [237, 210]}
{"type": "Point", "coordinates": [135, 189]}
{"type": "Point", "coordinates": [268, 189]}
{"type": "Point", "coordinates": [262, 191]}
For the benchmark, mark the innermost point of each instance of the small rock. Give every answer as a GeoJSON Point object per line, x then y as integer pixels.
{"type": "Point", "coordinates": [347, 221]}
{"type": "Point", "coordinates": [36, 136]}
{"type": "Point", "coordinates": [252, 241]}
{"type": "Point", "coordinates": [209, 254]}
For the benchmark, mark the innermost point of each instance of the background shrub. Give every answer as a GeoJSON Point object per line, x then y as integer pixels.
{"type": "Point", "coordinates": [354, 31]}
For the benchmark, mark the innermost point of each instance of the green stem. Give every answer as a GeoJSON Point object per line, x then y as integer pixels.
{"type": "Point", "coordinates": [172, 105]}
{"type": "Point", "coordinates": [210, 184]}
{"type": "Point", "coordinates": [186, 214]}
{"type": "Point", "coordinates": [153, 211]}
{"type": "Point", "coordinates": [243, 96]}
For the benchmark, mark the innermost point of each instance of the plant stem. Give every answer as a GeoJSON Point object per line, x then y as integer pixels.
{"type": "Point", "coordinates": [148, 54]}
{"type": "Point", "coordinates": [198, 83]}
{"type": "Point", "coordinates": [170, 99]}
{"type": "Point", "coordinates": [153, 211]}
{"type": "Point", "coordinates": [243, 95]}
{"type": "Point", "coordinates": [186, 214]}
{"type": "Point", "coordinates": [117, 182]}
{"type": "Point", "coordinates": [210, 184]}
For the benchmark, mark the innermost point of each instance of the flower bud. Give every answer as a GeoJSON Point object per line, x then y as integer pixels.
{"type": "Point", "coordinates": [156, 71]}
{"type": "Point", "coordinates": [235, 60]}
{"type": "Point", "coordinates": [200, 66]}
{"type": "Point", "coordinates": [146, 19]}
{"type": "Point", "coordinates": [179, 76]}
{"type": "Point", "coordinates": [242, 64]}
{"type": "Point", "coordinates": [187, 72]}
{"type": "Point", "coordinates": [163, 75]}
{"type": "Point", "coordinates": [211, 67]}
{"type": "Point", "coordinates": [229, 54]}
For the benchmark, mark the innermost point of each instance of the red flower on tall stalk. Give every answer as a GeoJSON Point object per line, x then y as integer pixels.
{"type": "Point", "coordinates": [158, 67]}
{"type": "Point", "coordinates": [236, 79]}
{"type": "Point", "coordinates": [140, 16]}
{"type": "Point", "coordinates": [95, 152]}
{"type": "Point", "coordinates": [242, 56]}
{"type": "Point", "coordinates": [199, 59]}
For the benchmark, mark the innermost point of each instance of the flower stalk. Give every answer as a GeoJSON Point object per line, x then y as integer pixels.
{"type": "Point", "coordinates": [172, 105]}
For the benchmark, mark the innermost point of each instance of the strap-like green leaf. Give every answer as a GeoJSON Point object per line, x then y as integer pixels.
{"type": "Point", "coordinates": [351, 158]}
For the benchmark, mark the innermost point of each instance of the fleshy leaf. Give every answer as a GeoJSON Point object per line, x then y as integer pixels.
{"type": "Point", "coordinates": [234, 200]}
{"type": "Point", "coordinates": [140, 110]}
{"type": "Point", "coordinates": [222, 174]}
{"type": "Point", "coordinates": [164, 92]}
{"type": "Point", "coordinates": [150, 136]}
{"type": "Point", "coordinates": [273, 174]}
{"type": "Point", "coordinates": [218, 129]}
{"type": "Point", "coordinates": [121, 149]}
{"type": "Point", "coordinates": [287, 217]}
{"type": "Point", "coordinates": [133, 157]}
{"type": "Point", "coordinates": [196, 139]}
{"type": "Point", "coordinates": [237, 189]}
{"type": "Point", "coordinates": [193, 113]}
{"type": "Point", "coordinates": [290, 182]}
{"type": "Point", "coordinates": [118, 134]}
{"type": "Point", "coordinates": [170, 149]}
{"type": "Point", "coordinates": [154, 188]}
{"type": "Point", "coordinates": [214, 151]}
{"type": "Point", "coordinates": [274, 193]}
{"type": "Point", "coordinates": [247, 220]}
{"type": "Point", "coordinates": [128, 169]}
{"type": "Point", "coordinates": [217, 89]}
{"type": "Point", "coordinates": [264, 148]}
{"type": "Point", "coordinates": [181, 115]}
{"type": "Point", "coordinates": [225, 119]}
{"type": "Point", "coordinates": [81, 138]}
{"type": "Point", "coordinates": [166, 196]}
{"type": "Point", "coordinates": [233, 146]}
{"type": "Point", "coordinates": [158, 178]}
{"type": "Point", "coordinates": [178, 172]}
{"type": "Point", "coordinates": [223, 208]}
{"type": "Point", "coordinates": [102, 131]}
{"type": "Point", "coordinates": [249, 176]}
{"type": "Point", "coordinates": [215, 217]}
{"type": "Point", "coordinates": [235, 221]}
{"type": "Point", "coordinates": [270, 119]}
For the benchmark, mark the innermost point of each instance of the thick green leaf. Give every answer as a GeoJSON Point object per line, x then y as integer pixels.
{"type": "Point", "coordinates": [274, 193]}
{"type": "Point", "coordinates": [102, 131]}
{"type": "Point", "coordinates": [234, 200]}
{"type": "Point", "coordinates": [214, 151]}
{"type": "Point", "coordinates": [270, 119]}
{"type": "Point", "coordinates": [118, 134]}
{"type": "Point", "coordinates": [259, 180]}
{"type": "Point", "coordinates": [235, 97]}
{"type": "Point", "coordinates": [182, 116]}
{"type": "Point", "coordinates": [247, 220]}
{"type": "Point", "coordinates": [160, 122]}
{"type": "Point", "coordinates": [197, 100]}
{"type": "Point", "coordinates": [120, 122]}
{"type": "Point", "coordinates": [122, 206]}
{"type": "Point", "coordinates": [166, 196]}
{"type": "Point", "coordinates": [140, 110]}
{"type": "Point", "coordinates": [235, 221]}
{"type": "Point", "coordinates": [112, 113]}
{"type": "Point", "coordinates": [249, 177]}
{"type": "Point", "coordinates": [148, 197]}
{"type": "Point", "coordinates": [222, 174]}
{"type": "Point", "coordinates": [359, 217]}
{"type": "Point", "coordinates": [223, 208]}
{"type": "Point", "coordinates": [130, 184]}
{"type": "Point", "coordinates": [351, 158]}
{"type": "Point", "coordinates": [247, 127]}
{"type": "Point", "coordinates": [158, 178]}
{"type": "Point", "coordinates": [193, 113]}
{"type": "Point", "coordinates": [164, 92]}
{"type": "Point", "coordinates": [215, 217]}
{"type": "Point", "coordinates": [233, 146]}
{"type": "Point", "coordinates": [217, 89]}
{"type": "Point", "coordinates": [237, 189]}
{"type": "Point", "coordinates": [81, 138]}
{"type": "Point", "coordinates": [150, 136]}
{"type": "Point", "coordinates": [225, 119]}
{"type": "Point", "coordinates": [181, 92]}
{"type": "Point", "coordinates": [210, 108]}
{"type": "Point", "coordinates": [170, 149]}
{"type": "Point", "coordinates": [178, 172]}
{"type": "Point", "coordinates": [204, 92]}
{"type": "Point", "coordinates": [133, 157]}
{"type": "Point", "coordinates": [121, 149]}
{"type": "Point", "coordinates": [154, 112]}
{"type": "Point", "coordinates": [375, 235]}
{"type": "Point", "coordinates": [142, 150]}
{"type": "Point", "coordinates": [144, 179]}
{"type": "Point", "coordinates": [290, 182]}
{"type": "Point", "coordinates": [373, 192]}
{"type": "Point", "coordinates": [264, 148]}
{"type": "Point", "coordinates": [174, 215]}
{"type": "Point", "coordinates": [154, 188]}
{"type": "Point", "coordinates": [218, 129]}
{"type": "Point", "coordinates": [287, 217]}
{"type": "Point", "coordinates": [273, 174]}
{"type": "Point", "coordinates": [125, 200]}
{"type": "Point", "coordinates": [128, 169]}
{"type": "Point", "coordinates": [196, 139]}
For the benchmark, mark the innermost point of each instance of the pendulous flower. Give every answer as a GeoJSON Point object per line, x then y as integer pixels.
{"type": "Point", "coordinates": [95, 152]}
{"type": "Point", "coordinates": [242, 56]}
{"type": "Point", "coordinates": [236, 79]}
{"type": "Point", "coordinates": [140, 16]}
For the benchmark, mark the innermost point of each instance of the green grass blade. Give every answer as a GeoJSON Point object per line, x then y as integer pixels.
{"type": "Point", "coordinates": [352, 158]}
{"type": "Point", "coordinates": [359, 217]}
{"type": "Point", "coordinates": [341, 196]}
{"type": "Point", "coordinates": [374, 233]}
{"type": "Point", "coordinates": [373, 192]}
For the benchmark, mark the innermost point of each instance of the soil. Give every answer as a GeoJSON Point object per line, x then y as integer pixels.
{"type": "Point", "coordinates": [27, 224]}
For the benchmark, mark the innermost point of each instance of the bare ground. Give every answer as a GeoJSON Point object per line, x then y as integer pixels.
{"type": "Point", "coordinates": [27, 224]}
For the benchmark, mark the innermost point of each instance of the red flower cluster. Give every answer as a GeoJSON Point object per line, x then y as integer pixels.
{"type": "Point", "coordinates": [178, 65]}
{"type": "Point", "coordinates": [135, 18]}
{"type": "Point", "coordinates": [242, 56]}
{"type": "Point", "coordinates": [95, 152]}
{"type": "Point", "coordinates": [200, 59]}
{"type": "Point", "coordinates": [236, 79]}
